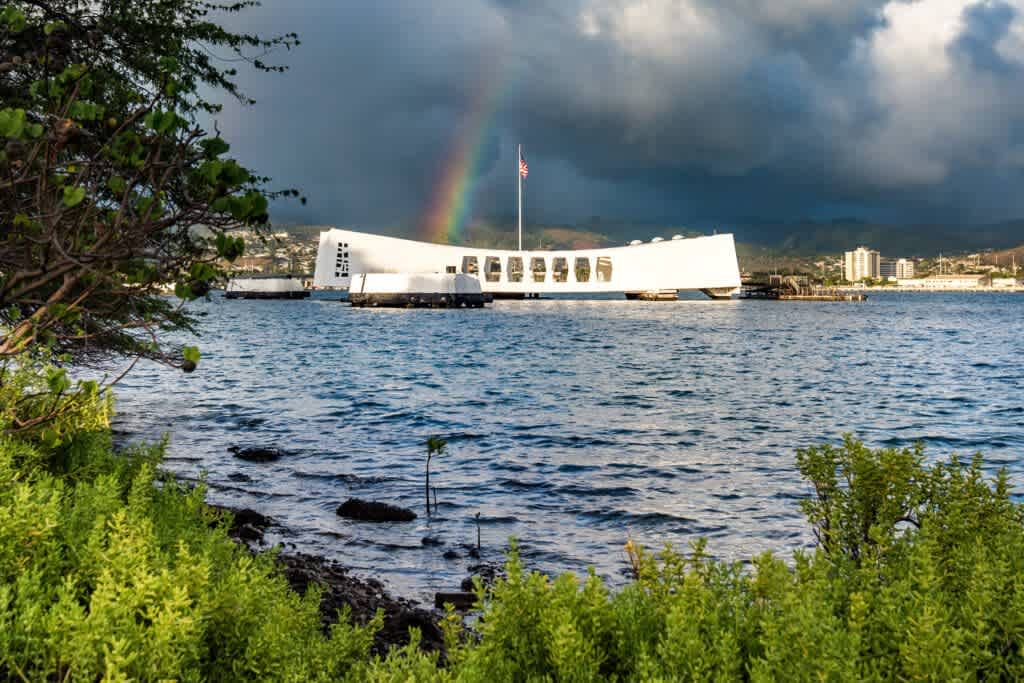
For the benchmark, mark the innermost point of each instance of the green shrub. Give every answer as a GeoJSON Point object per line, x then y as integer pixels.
{"type": "Point", "coordinates": [119, 575]}
{"type": "Point", "coordinates": [112, 570]}
{"type": "Point", "coordinates": [919, 575]}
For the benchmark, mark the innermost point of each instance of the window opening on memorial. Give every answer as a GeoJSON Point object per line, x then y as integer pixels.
{"type": "Point", "coordinates": [515, 269]}
{"type": "Point", "coordinates": [604, 269]}
{"type": "Point", "coordinates": [492, 268]}
{"type": "Point", "coordinates": [582, 268]}
{"type": "Point", "coordinates": [538, 269]}
{"type": "Point", "coordinates": [560, 269]}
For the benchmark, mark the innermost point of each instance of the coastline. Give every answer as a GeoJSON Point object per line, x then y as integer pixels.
{"type": "Point", "coordinates": [362, 596]}
{"type": "Point", "coordinates": [936, 290]}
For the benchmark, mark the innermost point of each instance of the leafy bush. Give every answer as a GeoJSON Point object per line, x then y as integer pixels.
{"type": "Point", "coordinates": [919, 576]}
{"type": "Point", "coordinates": [111, 570]}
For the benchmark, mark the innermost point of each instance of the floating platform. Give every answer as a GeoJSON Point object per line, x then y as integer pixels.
{"type": "Point", "coordinates": [266, 287]}
{"type": "Point", "coordinates": [654, 295]}
{"type": "Point", "coordinates": [402, 290]}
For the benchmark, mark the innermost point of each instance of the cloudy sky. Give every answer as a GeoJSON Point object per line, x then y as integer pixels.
{"type": "Point", "coordinates": [682, 111]}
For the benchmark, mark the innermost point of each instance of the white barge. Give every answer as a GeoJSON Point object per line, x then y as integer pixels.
{"type": "Point", "coordinates": [649, 270]}
{"type": "Point", "coordinates": [265, 287]}
{"type": "Point", "coordinates": [416, 291]}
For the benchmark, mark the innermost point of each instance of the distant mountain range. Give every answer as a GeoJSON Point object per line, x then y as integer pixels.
{"type": "Point", "coordinates": [892, 240]}
{"type": "Point", "coordinates": [797, 240]}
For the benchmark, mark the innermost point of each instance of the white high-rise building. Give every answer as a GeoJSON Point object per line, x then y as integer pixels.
{"type": "Point", "coordinates": [862, 263]}
{"type": "Point", "coordinates": [904, 269]}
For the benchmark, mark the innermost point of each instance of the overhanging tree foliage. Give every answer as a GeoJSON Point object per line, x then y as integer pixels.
{"type": "Point", "coordinates": [110, 188]}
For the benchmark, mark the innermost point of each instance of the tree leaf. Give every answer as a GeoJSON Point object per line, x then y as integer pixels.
{"type": "Point", "coordinates": [190, 353]}
{"type": "Point", "coordinates": [73, 196]}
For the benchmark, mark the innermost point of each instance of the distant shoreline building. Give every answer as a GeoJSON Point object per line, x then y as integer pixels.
{"type": "Point", "coordinates": [896, 269]}
{"type": "Point", "coordinates": [964, 281]}
{"type": "Point", "coordinates": [862, 263]}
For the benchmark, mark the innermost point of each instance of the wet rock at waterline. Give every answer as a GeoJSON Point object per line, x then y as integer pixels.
{"type": "Point", "coordinates": [372, 511]}
{"type": "Point", "coordinates": [257, 454]}
{"type": "Point", "coordinates": [458, 600]}
{"type": "Point", "coordinates": [246, 525]}
{"type": "Point", "coordinates": [487, 572]}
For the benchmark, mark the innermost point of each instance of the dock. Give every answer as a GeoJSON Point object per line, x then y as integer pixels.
{"type": "Point", "coordinates": [794, 288]}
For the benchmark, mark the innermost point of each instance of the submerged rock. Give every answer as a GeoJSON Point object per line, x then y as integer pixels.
{"type": "Point", "coordinates": [257, 454]}
{"type": "Point", "coordinates": [372, 511]}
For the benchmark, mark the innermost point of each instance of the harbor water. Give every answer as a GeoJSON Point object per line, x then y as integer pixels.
{"type": "Point", "coordinates": [572, 425]}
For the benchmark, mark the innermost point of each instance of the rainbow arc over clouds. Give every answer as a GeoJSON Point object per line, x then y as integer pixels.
{"type": "Point", "coordinates": [451, 206]}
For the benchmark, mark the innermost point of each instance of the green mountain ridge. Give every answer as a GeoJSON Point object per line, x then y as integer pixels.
{"type": "Point", "coordinates": [780, 241]}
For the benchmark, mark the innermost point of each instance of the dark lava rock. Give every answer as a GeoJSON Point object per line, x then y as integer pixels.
{"type": "Point", "coordinates": [460, 601]}
{"type": "Point", "coordinates": [252, 518]}
{"type": "Point", "coordinates": [257, 454]}
{"type": "Point", "coordinates": [246, 525]}
{"type": "Point", "coordinates": [431, 541]}
{"type": "Point", "coordinates": [239, 476]}
{"type": "Point", "coordinates": [451, 555]}
{"type": "Point", "coordinates": [363, 597]}
{"type": "Point", "coordinates": [247, 532]}
{"type": "Point", "coordinates": [487, 572]}
{"type": "Point", "coordinates": [372, 511]}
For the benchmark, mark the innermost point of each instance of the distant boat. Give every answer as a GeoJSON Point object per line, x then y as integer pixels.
{"type": "Point", "coordinates": [265, 287]}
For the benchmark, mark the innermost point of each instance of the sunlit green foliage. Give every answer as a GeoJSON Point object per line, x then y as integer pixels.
{"type": "Point", "coordinates": [111, 570]}
{"type": "Point", "coordinates": [114, 183]}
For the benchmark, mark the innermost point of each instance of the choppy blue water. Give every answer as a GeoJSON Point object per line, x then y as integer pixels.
{"type": "Point", "coordinates": [573, 425]}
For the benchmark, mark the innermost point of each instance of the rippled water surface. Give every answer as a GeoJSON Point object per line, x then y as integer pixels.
{"type": "Point", "coordinates": [572, 425]}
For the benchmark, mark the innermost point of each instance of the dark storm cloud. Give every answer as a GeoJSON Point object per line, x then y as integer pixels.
{"type": "Point", "coordinates": [986, 24]}
{"type": "Point", "coordinates": [659, 110]}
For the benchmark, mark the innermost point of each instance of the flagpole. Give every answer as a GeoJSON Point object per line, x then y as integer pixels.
{"type": "Point", "coordinates": [519, 176]}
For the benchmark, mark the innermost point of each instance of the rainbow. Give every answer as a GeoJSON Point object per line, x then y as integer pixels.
{"type": "Point", "coordinates": [451, 206]}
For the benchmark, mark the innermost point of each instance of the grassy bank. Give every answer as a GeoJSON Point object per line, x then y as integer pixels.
{"type": "Point", "coordinates": [110, 570]}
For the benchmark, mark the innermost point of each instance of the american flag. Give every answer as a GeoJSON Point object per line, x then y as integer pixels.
{"type": "Point", "coordinates": [524, 170]}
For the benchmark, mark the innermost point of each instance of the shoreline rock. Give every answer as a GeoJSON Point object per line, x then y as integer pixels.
{"type": "Point", "coordinates": [362, 596]}
{"type": "Point", "coordinates": [373, 511]}
{"type": "Point", "coordinates": [256, 454]}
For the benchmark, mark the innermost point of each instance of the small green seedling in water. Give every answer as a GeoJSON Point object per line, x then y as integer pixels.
{"type": "Point", "coordinates": [435, 446]}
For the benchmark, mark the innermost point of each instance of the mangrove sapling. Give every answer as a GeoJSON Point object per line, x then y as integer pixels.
{"type": "Point", "coordinates": [435, 446]}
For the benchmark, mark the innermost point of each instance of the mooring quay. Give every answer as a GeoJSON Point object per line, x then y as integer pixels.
{"type": "Point", "coordinates": [794, 288]}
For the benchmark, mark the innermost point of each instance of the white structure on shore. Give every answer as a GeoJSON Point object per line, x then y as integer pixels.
{"type": "Point", "coordinates": [861, 263]}
{"type": "Point", "coordinates": [707, 264]}
{"type": "Point", "coordinates": [265, 287]}
{"type": "Point", "coordinates": [904, 269]}
{"type": "Point", "coordinates": [965, 281]}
